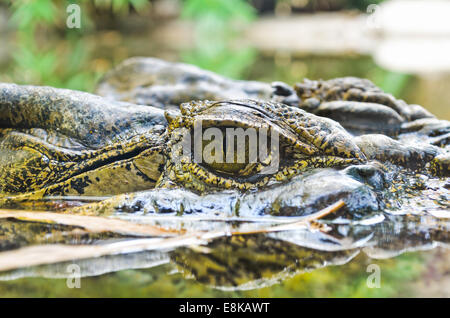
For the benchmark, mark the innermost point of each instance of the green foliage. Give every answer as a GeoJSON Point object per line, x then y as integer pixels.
{"type": "Point", "coordinates": [36, 59]}
{"type": "Point", "coordinates": [122, 6]}
{"type": "Point", "coordinates": [228, 62]}
{"type": "Point", "coordinates": [391, 82]}
{"type": "Point", "coordinates": [362, 4]}
{"type": "Point", "coordinates": [39, 24]}
{"type": "Point", "coordinates": [28, 14]}
{"type": "Point", "coordinates": [217, 24]}
{"type": "Point", "coordinates": [220, 10]}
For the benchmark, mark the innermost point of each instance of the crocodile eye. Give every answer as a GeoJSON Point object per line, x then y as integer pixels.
{"type": "Point", "coordinates": [235, 151]}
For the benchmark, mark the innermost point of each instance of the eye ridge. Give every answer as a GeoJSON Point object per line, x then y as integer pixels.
{"type": "Point", "coordinates": [259, 110]}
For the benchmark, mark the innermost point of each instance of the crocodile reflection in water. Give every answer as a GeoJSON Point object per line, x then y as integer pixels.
{"type": "Point", "coordinates": [255, 261]}
{"type": "Point", "coordinates": [64, 143]}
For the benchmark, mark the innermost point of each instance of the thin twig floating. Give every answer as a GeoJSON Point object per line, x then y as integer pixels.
{"type": "Point", "coordinates": [298, 224]}
{"type": "Point", "coordinates": [58, 253]}
{"type": "Point", "coordinates": [90, 223]}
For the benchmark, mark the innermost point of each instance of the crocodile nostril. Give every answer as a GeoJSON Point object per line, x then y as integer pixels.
{"type": "Point", "coordinates": [285, 94]}
{"type": "Point", "coordinates": [368, 174]}
{"type": "Point", "coordinates": [282, 89]}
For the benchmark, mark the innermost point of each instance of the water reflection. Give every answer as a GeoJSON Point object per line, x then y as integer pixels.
{"type": "Point", "coordinates": [254, 261]}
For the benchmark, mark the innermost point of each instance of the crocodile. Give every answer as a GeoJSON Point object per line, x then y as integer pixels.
{"type": "Point", "coordinates": [132, 147]}
{"type": "Point", "coordinates": [58, 142]}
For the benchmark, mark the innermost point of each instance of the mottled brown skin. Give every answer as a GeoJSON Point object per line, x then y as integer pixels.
{"type": "Point", "coordinates": [361, 107]}
{"type": "Point", "coordinates": [308, 143]}
{"type": "Point", "coordinates": [150, 81]}
{"type": "Point", "coordinates": [357, 104]}
{"type": "Point", "coordinates": [354, 89]}
{"type": "Point", "coordinates": [57, 142]}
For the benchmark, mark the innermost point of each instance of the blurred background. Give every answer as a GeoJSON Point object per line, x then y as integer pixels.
{"type": "Point", "coordinates": [401, 45]}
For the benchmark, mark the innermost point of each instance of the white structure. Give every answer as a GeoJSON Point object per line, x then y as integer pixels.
{"type": "Point", "coordinates": [415, 35]}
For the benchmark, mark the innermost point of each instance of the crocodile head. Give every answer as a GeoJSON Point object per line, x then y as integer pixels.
{"type": "Point", "coordinates": [214, 163]}
{"type": "Point", "coordinates": [263, 157]}
{"type": "Point", "coordinates": [60, 143]}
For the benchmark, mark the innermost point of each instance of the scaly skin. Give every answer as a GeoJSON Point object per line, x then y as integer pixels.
{"type": "Point", "coordinates": [150, 81]}
{"type": "Point", "coordinates": [354, 89]}
{"type": "Point", "coordinates": [58, 142]}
